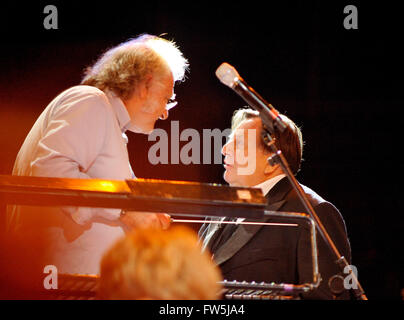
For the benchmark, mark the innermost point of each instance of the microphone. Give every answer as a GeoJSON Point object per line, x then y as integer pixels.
{"type": "Point", "coordinates": [229, 76]}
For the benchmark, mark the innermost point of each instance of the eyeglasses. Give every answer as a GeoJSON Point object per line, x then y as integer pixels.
{"type": "Point", "coordinates": [171, 103]}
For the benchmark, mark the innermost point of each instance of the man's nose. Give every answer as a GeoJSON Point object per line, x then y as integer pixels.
{"type": "Point", "coordinates": [225, 149]}
{"type": "Point", "coordinates": [164, 115]}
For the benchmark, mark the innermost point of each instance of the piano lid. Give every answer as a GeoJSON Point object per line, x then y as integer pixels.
{"type": "Point", "coordinates": [150, 195]}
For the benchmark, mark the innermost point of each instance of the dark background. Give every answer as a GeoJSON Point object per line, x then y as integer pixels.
{"type": "Point", "coordinates": [343, 87]}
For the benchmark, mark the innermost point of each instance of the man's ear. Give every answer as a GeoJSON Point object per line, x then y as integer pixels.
{"type": "Point", "coordinates": [269, 169]}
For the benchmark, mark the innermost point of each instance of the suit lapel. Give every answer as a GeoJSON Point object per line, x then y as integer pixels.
{"type": "Point", "coordinates": [241, 236]}
{"type": "Point", "coordinates": [210, 233]}
{"type": "Point", "coordinates": [244, 233]}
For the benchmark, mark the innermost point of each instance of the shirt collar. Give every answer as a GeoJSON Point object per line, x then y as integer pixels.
{"type": "Point", "coordinates": [120, 111]}
{"type": "Point", "coordinates": [267, 185]}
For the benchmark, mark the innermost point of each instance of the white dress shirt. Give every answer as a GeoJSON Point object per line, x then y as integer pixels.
{"type": "Point", "coordinates": [80, 134]}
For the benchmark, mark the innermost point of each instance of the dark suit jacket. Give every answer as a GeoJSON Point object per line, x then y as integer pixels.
{"type": "Point", "coordinates": [282, 254]}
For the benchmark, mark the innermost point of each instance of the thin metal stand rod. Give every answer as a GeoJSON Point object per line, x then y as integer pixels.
{"type": "Point", "coordinates": [235, 222]}
{"type": "Point", "coordinates": [278, 158]}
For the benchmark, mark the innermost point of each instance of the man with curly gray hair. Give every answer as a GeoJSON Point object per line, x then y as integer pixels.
{"type": "Point", "coordinates": [81, 134]}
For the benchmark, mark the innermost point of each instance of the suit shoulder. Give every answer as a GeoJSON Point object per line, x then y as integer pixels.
{"type": "Point", "coordinates": [312, 196]}
{"type": "Point", "coordinates": [319, 203]}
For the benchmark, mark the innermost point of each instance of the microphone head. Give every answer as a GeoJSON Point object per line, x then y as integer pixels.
{"type": "Point", "coordinates": [227, 74]}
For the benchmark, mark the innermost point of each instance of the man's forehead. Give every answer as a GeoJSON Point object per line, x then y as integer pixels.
{"type": "Point", "coordinates": [167, 83]}
{"type": "Point", "coordinates": [245, 125]}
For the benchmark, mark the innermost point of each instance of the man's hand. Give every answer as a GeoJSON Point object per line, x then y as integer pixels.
{"type": "Point", "coordinates": [135, 219]}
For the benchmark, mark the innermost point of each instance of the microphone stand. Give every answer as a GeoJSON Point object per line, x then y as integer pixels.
{"type": "Point", "coordinates": [278, 158]}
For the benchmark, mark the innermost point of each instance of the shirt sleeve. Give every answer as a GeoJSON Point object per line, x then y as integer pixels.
{"type": "Point", "coordinates": [71, 141]}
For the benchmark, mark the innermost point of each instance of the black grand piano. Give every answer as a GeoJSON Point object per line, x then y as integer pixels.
{"type": "Point", "coordinates": [178, 198]}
